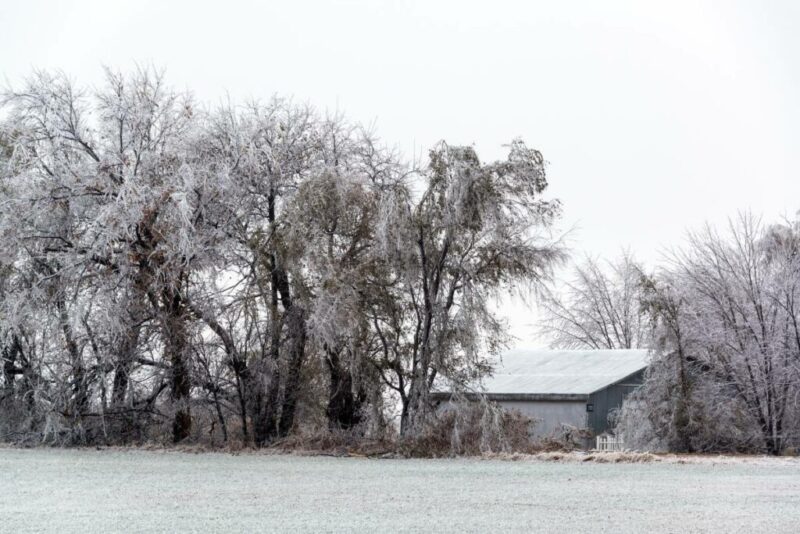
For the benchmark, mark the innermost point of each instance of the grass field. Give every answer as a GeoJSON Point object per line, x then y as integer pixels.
{"type": "Point", "coordinates": [49, 490]}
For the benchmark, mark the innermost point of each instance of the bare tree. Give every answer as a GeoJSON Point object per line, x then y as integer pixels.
{"type": "Point", "coordinates": [727, 324]}
{"type": "Point", "coordinates": [475, 232]}
{"type": "Point", "coordinates": [599, 308]}
{"type": "Point", "coordinates": [336, 214]}
{"type": "Point", "coordinates": [117, 199]}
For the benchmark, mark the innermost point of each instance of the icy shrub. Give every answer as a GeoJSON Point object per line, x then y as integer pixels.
{"type": "Point", "coordinates": [472, 428]}
{"type": "Point", "coordinates": [712, 419]}
{"type": "Point", "coordinates": [566, 438]}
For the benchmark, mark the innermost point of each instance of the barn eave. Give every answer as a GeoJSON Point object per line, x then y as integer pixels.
{"type": "Point", "coordinates": [502, 397]}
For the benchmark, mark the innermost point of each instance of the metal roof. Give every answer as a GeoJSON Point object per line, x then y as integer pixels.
{"type": "Point", "coordinates": [562, 372]}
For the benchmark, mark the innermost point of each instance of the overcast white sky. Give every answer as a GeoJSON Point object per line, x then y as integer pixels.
{"type": "Point", "coordinates": [653, 119]}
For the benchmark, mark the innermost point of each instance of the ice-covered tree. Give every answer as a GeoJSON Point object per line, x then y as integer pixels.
{"type": "Point", "coordinates": [476, 232]}
{"type": "Point", "coordinates": [599, 308]}
{"type": "Point", "coordinates": [112, 196]}
{"type": "Point", "coordinates": [334, 219]}
{"type": "Point", "coordinates": [726, 325]}
{"type": "Point", "coordinates": [167, 266]}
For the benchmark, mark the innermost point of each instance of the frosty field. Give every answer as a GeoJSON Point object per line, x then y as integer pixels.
{"type": "Point", "coordinates": [139, 491]}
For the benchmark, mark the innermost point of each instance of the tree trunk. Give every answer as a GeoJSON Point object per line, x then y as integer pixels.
{"type": "Point", "coordinates": [264, 388]}
{"type": "Point", "coordinates": [296, 327]}
{"type": "Point", "coordinates": [176, 344]}
{"type": "Point", "coordinates": [10, 370]}
{"type": "Point", "coordinates": [241, 395]}
{"type": "Point", "coordinates": [404, 422]}
{"type": "Point", "coordinates": [122, 365]}
{"type": "Point", "coordinates": [417, 408]}
{"type": "Point", "coordinates": [80, 396]}
{"type": "Point", "coordinates": [344, 405]}
{"type": "Point", "coordinates": [682, 416]}
{"type": "Point", "coordinates": [422, 373]}
{"type": "Point", "coordinates": [267, 378]}
{"type": "Point", "coordinates": [773, 441]}
{"type": "Point", "coordinates": [279, 401]}
{"type": "Point", "coordinates": [295, 322]}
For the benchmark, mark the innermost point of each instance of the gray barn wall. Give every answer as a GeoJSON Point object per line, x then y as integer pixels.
{"type": "Point", "coordinates": [566, 409]}
{"type": "Point", "coordinates": [609, 399]}
{"type": "Point", "coordinates": [549, 415]}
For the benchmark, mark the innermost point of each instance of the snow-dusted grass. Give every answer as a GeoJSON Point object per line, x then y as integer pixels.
{"type": "Point", "coordinates": [50, 490]}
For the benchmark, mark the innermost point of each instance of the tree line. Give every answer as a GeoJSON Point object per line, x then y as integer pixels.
{"type": "Point", "coordinates": [170, 271]}
{"type": "Point", "coordinates": [721, 316]}
{"type": "Point", "coordinates": [167, 269]}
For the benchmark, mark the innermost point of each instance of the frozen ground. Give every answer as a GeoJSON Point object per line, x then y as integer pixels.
{"type": "Point", "coordinates": [45, 490]}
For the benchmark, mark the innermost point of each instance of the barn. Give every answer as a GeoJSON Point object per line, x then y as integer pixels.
{"type": "Point", "coordinates": [579, 388]}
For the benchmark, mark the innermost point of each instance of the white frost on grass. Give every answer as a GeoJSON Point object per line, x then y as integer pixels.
{"type": "Point", "coordinates": [47, 490]}
{"type": "Point", "coordinates": [646, 457]}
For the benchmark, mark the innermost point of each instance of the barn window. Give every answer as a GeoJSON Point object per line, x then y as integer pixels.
{"type": "Point", "coordinates": [590, 407]}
